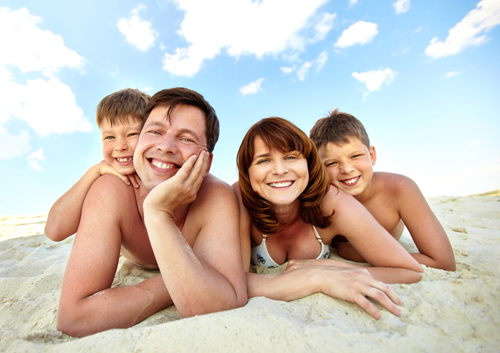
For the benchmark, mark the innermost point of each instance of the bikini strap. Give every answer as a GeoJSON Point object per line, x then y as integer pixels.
{"type": "Point", "coordinates": [264, 237]}
{"type": "Point", "coordinates": [317, 235]}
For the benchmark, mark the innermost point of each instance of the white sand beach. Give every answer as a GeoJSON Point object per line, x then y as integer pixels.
{"type": "Point", "coordinates": [445, 312]}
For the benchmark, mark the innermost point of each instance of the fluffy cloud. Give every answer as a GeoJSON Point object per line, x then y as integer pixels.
{"type": "Point", "coordinates": [451, 74]}
{"type": "Point", "coordinates": [29, 48]}
{"type": "Point", "coordinates": [252, 87]}
{"type": "Point", "coordinates": [303, 70]}
{"type": "Point", "coordinates": [401, 6]}
{"type": "Point", "coordinates": [137, 32]}
{"type": "Point", "coordinates": [245, 27]}
{"type": "Point", "coordinates": [46, 104]}
{"type": "Point", "coordinates": [33, 159]}
{"type": "Point", "coordinates": [359, 33]}
{"type": "Point", "coordinates": [374, 79]}
{"type": "Point", "coordinates": [470, 31]}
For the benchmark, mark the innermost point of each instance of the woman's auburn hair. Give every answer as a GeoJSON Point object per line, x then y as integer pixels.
{"type": "Point", "coordinates": [284, 136]}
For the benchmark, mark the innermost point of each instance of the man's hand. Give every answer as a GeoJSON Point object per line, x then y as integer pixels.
{"type": "Point", "coordinates": [103, 168]}
{"type": "Point", "coordinates": [181, 189]}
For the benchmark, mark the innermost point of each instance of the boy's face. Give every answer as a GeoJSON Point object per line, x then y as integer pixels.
{"type": "Point", "coordinates": [118, 144]}
{"type": "Point", "coordinates": [350, 166]}
{"type": "Point", "coordinates": [165, 144]}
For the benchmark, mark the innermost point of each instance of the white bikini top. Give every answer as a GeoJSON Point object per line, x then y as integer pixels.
{"type": "Point", "coordinates": [261, 257]}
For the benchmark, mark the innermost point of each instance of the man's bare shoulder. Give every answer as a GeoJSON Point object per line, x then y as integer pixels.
{"type": "Point", "coordinates": [215, 195]}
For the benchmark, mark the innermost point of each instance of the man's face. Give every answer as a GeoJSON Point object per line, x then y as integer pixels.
{"type": "Point", "coordinates": [164, 145]}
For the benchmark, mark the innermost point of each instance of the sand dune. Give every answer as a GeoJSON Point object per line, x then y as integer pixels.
{"type": "Point", "coordinates": [445, 312]}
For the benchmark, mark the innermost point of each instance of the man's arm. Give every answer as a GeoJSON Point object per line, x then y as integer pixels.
{"type": "Point", "coordinates": [424, 227]}
{"type": "Point", "coordinates": [88, 304]}
{"type": "Point", "coordinates": [206, 276]}
{"type": "Point", "coordinates": [64, 215]}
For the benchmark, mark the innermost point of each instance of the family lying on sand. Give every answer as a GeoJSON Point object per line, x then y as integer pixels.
{"type": "Point", "coordinates": [295, 197]}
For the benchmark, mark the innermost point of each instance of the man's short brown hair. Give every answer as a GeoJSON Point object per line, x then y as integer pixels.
{"type": "Point", "coordinates": [174, 96]}
{"type": "Point", "coordinates": [337, 128]}
{"type": "Point", "coordinates": [119, 107]}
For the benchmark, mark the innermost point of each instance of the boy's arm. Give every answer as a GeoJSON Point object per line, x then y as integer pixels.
{"type": "Point", "coordinates": [64, 215]}
{"type": "Point", "coordinates": [208, 277]}
{"type": "Point", "coordinates": [424, 227]}
{"type": "Point", "coordinates": [88, 304]}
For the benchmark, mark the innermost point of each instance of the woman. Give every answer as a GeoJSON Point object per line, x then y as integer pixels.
{"type": "Point", "coordinates": [289, 212]}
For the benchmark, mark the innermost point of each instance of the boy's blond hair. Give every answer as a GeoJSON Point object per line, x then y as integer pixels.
{"type": "Point", "coordinates": [119, 106]}
{"type": "Point", "coordinates": [337, 128]}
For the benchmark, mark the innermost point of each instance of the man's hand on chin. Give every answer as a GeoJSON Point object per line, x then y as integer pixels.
{"type": "Point", "coordinates": [179, 190]}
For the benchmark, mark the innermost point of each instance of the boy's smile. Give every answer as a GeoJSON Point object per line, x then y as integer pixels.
{"type": "Point", "coordinates": [165, 144]}
{"type": "Point", "coordinates": [118, 144]}
{"type": "Point", "coordinates": [350, 166]}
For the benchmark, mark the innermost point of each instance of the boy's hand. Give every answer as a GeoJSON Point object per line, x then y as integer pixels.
{"type": "Point", "coordinates": [181, 189]}
{"type": "Point", "coordinates": [103, 168]}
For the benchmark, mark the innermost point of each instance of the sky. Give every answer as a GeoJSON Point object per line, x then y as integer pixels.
{"type": "Point", "coordinates": [422, 76]}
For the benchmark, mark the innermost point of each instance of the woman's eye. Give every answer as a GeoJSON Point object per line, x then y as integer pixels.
{"type": "Point", "coordinates": [290, 157]}
{"type": "Point", "coordinates": [263, 161]}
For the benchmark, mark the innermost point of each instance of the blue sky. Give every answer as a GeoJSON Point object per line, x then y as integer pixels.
{"type": "Point", "coordinates": [423, 76]}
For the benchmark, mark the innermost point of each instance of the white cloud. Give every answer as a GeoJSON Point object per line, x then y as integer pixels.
{"type": "Point", "coordinates": [148, 89]}
{"type": "Point", "coordinates": [374, 79]}
{"type": "Point", "coordinates": [352, 2]}
{"type": "Point", "coordinates": [321, 61]}
{"type": "Point", "coordinates": [401, 6]}
{"type": "Point", "coordinates": [451, 74]}
{"type": "Point", "coordinates": [304, 69]}
{"type": "Point", "coordinates": [137, 31]}
{"type": "Point", "coordinates": [250, 29]}
{"type": "Point", "coordinates": [33, 159]}
{"type": "Point", "coordinates": [13, 145]}
{"type": "Point", "coordinates": [30, 48]}
{"type": "Point", "coordinates": [48, 106]}
{"type": "Point", "coordinates": [252, 87]}
{"type": "Point", "coordinates": [470, 31]}
{"type": "Point", "coordinates": [324, 26]}
{"type": "Point", "coordinates": [287, 70]}
{"type": "Point", "coordinates": [359, 33]}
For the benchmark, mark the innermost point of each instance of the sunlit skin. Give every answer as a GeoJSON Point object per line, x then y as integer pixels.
{"type": "Point", "coordinates": [279, 177]}
{"type": "Point", "coordinates": [165, 144]}
{"type": "Point", "coordinates": [350, 166]}
{"type": "Point", "coordinates": [118, 144]}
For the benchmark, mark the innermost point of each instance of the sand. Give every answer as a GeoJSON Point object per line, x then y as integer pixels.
{"type": "Point", "coordinates": [445, 312]}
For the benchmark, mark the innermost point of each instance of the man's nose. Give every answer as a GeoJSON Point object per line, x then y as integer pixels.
{"type": "Point", "coordinates": [168, 144]}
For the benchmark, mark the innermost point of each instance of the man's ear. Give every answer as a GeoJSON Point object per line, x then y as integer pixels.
{"type": "Point", "coordinates": [210, 157]}
{"type": "Point", "coordinates": [373, 155]}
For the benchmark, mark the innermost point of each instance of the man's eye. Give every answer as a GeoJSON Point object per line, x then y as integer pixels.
{"type": "Point", "coordinates": [185, 139]}
{"type": "Point", "coordinates": [357, 155]}
{"type": "Point", "coordinates": [153, 132]}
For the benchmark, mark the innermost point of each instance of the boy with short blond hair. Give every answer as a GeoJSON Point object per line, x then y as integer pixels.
{"type": "Point", "coordinates": [119, 118]}
{"type": "Point", "coordinates": [394, 200]}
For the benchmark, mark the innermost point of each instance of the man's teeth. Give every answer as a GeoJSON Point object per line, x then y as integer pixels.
{"type": "Point", "coordinates": [281, 185]}
{"type": "Point", "coordinates": [128, 159]}
{"type": "Point", "coordinates": [161, 165]}
{"type": "Point", "coordinates": [350, 181]}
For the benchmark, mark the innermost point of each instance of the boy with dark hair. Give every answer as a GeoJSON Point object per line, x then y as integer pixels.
{"type": "Point", "coordinates": [119, 118]}
{"type": "Point", "coordinates": [394, 200]}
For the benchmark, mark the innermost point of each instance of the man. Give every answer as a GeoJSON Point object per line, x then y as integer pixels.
{"type": "Point", "coordinates": [181, 220]}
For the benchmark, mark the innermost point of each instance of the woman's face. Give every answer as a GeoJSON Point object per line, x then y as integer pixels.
{"type": "Point", "coordinates": [278, 177]}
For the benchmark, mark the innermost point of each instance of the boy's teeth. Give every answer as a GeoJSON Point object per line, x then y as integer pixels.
{"type": "Point", "coordinates": [281, 185]}
{"type": "Point", "coordinates": [161, 165]}
{"type": "Point", "coordinates": [124, 159]}
{"type": "Point", "coordinates": [350, 181]}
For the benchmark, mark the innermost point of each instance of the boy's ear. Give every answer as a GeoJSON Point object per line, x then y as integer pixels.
{"type": "Point", "coordinates": [210, 157]}
{"type": "Point", "coordinates": [373, 155]}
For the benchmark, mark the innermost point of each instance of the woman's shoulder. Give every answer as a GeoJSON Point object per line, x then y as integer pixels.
{"type": "Point", "coordinates": [333, 199]}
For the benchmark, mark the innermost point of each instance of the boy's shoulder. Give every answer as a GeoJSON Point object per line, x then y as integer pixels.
{"type": "Point", "coordinates": [392, 184]}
